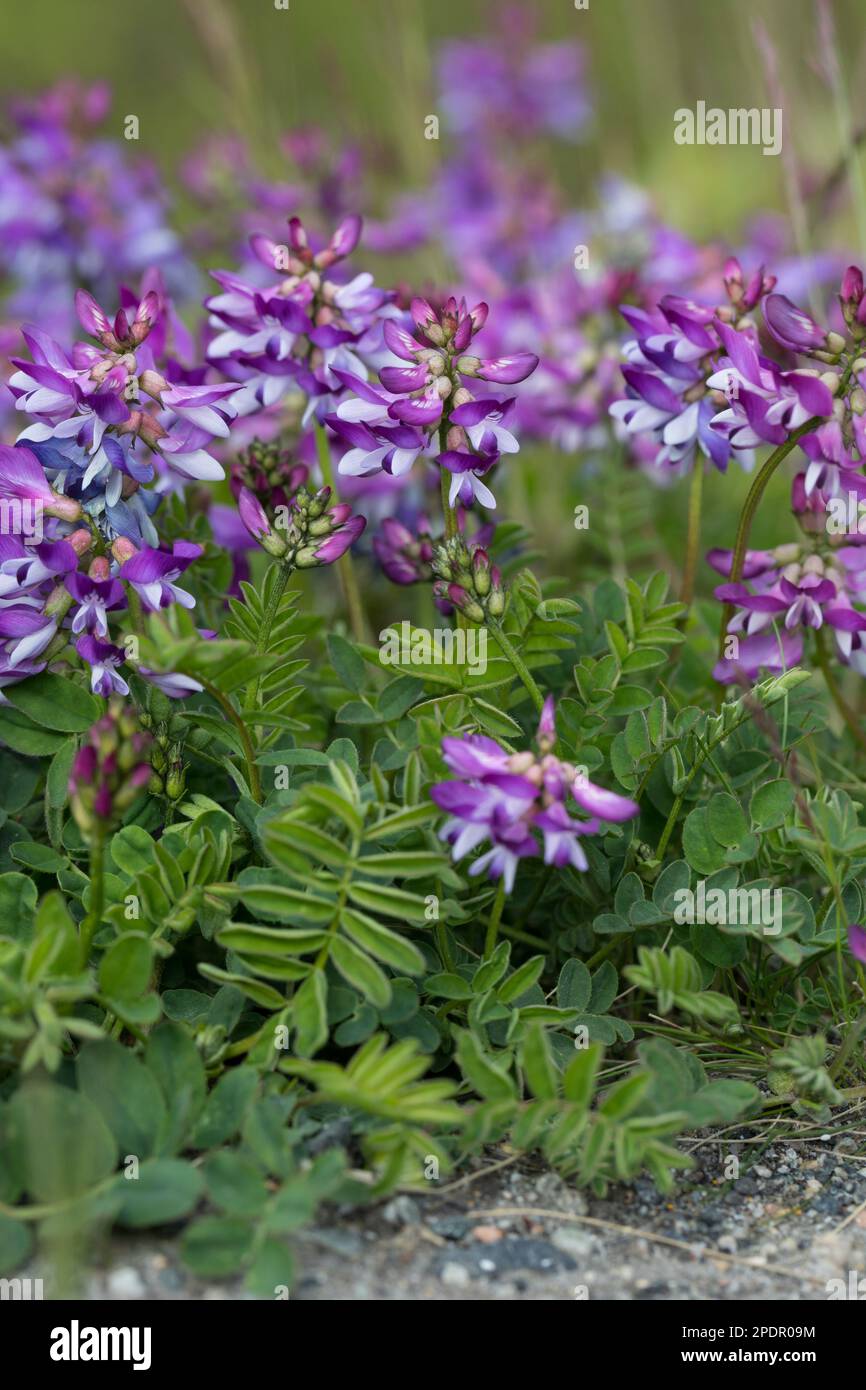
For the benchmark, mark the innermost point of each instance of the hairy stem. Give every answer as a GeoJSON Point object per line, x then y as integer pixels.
{"type": "Point", "coordinates": [750, 506]}
{"type": "Point", "coordinates": [90, 925]}
{"type": "Point", "coordinates": [517, 662]}
{"type": "Point", "coordinates": [494, 920]}
{"type": "Point", "coordinates": [225, 704]}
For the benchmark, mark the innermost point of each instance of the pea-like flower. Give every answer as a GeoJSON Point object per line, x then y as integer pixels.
{"type": "Point", "coordinates": [507, 799]}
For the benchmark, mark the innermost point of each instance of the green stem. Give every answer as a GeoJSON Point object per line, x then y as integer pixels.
{"type": "Point", "coordinates": [448, 512]}
{"type": "Point", "coordinates": [494, 920]}
{"type": "Point", "coordinates": [225, 704]}
{"type": "Point", "coordinates": [750, 506]}
{"type": "Point", "coordinates": [443, 947]}
{"type": "Point", "coordinates": [322, 958]}
{"type": "Point", "coordinates": [279, 588]}
{"type": "Point", "coordinates": [693, 534]}
{"type": "Point", "coordinates": [345, 564]}
{"type": "Point", "coordinates": [517, 662]}
{"type": "Point", "coordinates": [90, 925]}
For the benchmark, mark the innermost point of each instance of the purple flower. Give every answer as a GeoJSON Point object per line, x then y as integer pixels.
{"type": "Point", "coordinates": [22, 479]}
{"type": "Point", "coordinates": [666, 377]}
{"type": "Point", "coordinates": [152, 574]}
{"type": "Point", "coordinates": [765, 404]}
{"type": "Point", "coordinates": [171, 683]}
{"type": "Point", "coordinates": [415, 406]}
{"type": "Point", "coordinates": [25, 633]}
{"type": "Point", "coordinates": [857, 941]}
{"type": "Point", "coordinates": [502, 798]}
{"type": "Point", "coordinates": [466, 471]}
{"type": "Point", "coordinates": [792, 327]}
{"type": "Point", "coordinates": [95, 598]}
{"type": "Point", "coordinates": [405, 556]}
{"type": "Point", "coordinates": [103, 658]}
{"type": "Point", "coordinates": [24, 567]}
{"type": "Point", "coordinates": [507, 371]}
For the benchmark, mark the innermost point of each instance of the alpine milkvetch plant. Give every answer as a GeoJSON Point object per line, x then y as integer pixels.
{"type": "Point", "coordinates": [289, 917]}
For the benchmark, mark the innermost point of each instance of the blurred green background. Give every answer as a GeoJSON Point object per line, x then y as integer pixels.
{"type": "Point", "coordinates": [363, 70]}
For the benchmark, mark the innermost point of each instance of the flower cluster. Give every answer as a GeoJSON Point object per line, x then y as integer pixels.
{"type": "Point", "coordinates": [799, 587]}
{"type": "Point", "coordinates": [302, 331]}
{"type": "Point", "coordinates": [110, 769]}
{"type": "Point", "coordinates": [109, 421]}
{"type": "Point", "coordinates": [672, 379]}
{"type": "Point", "coordinates": [427, 408]}
{"type": "Point", "coordinates": [466, 580]}
{"type": "Point", "coordinates": [503, 798]}
{"type": "Point", "coordinates": [306, 530]}
{"type": "Point", "coordinates": [61, 589]}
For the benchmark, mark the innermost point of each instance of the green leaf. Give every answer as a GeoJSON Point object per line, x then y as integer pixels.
{"type": "Point", "coordinates": [166, 1189]}
{"type": "Point", "coordinates": [702, 850]}
{"type": "Point", "coordinates": [537, 1063]}
{"type": "Point", "coordinates": [235, 1184]}
{"type": "Point", "coordinates": [401, 864]}
{"type": "Point", "coordinates": [124, 971]}
{"type": "Point", "coordinates": [488, 1077]}
{"type": "Point", "coordinates": [725, 819]}
{"type": "Point", "coordinates": [386, 945]}
{"type": "Point", "coordinates": [389, 902]}
{"type": "Point", "coordinates": [522, 980]}
{"type": "Point", "coordinates": [247, 939]}
{"type": "Point", "coordinates": [283, 904]}
{"type": "Point", "coordinates": [56, 1142]}
{"type": "Point", "coordinates": [17, 906]}
{"type": "Point", "coordinates": [217, 1246]}
{"type": "Point", "coordinates": [771, 803]}
{"type": "Point", "coordinates": [359, 970]}
{"type": "Point", "coordinates": [55, 703]}
{"type": "Point", "coordinates": [347, 663]}
{"type": "Point", "coordinates": [260, 993]}
{"type": "Point", "coordinates": [574, 986]}
{"type": "Point", "coordinates": [21, 734]}
{"type": "Point", "coordinates": [272, 1271]}
{"type": "Point", "coordinates": [126, 1095]}
{"type": "Point", "coordinates": [578, 1082]}
{"type": "Point", "coordinates": [174, 1060]}
{"type": "Point", "coordinates": [310, 1014]}
{"type": "Point", "coordinates": [447, 985]}
{"type": "Point", "coordinates": [41, 859]}
{"type": "Point", "coordinates": [226, 1107]}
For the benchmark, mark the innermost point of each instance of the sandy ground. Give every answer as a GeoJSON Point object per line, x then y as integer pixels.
{"type": "Point", "coordinates": [792, 1221]}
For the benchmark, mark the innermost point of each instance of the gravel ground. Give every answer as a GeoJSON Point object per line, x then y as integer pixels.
{"type": "Point", "coordinates": [794, 1219]}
